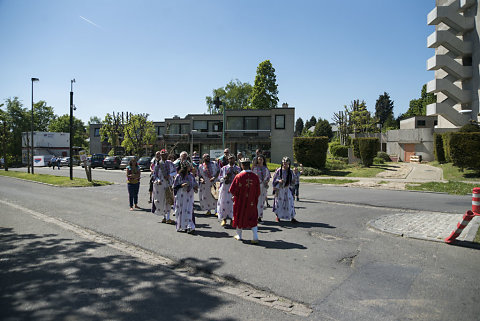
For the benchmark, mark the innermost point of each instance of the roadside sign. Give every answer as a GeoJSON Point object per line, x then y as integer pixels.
{"type": "Point", "coordinates": [216, 153]}
{"type": "Point", "coordinates": [83, 155]}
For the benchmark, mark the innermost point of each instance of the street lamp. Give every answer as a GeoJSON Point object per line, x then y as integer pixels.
{"type": "Point", "coordinates": [191, 142]}
{"type": "Point", "coordinates": [71, 127]}
{"type": "Point", "coordinates": [31, 127]}
{"type": "Point", "coordinates": [379, 126]}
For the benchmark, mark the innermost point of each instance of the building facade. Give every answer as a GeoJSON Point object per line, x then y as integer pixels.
{"type": "Point", "coordinates": [46, 143]}
{"type": "Point", "coordinates": [456, 62]}
{"type": "Point", "coordinates": [246, 130]}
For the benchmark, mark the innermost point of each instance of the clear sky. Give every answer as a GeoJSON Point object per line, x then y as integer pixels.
{"type": "Point", "coordinates": [164, 57]}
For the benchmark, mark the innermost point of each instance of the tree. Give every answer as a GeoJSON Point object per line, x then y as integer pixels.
{"type": "Point", "coordinates": [323, 128]}
{"type": "Point", "coordinates": [42, 116]}
{"type": "Point", "coordinates": [62, 125]}
{"type": "Point", "coordinates": [112, 131]}
{"type": "Point", "coordinates": [139, 133]}
{"type": "Point", "coordinates": [298, 127]}
{"type": "Point", "coordinates": [360, 120]}
{"type": "Point", "coordinates": [310, 123]}
{"type": "Point", "coordinates": [341, 119]}
{"type": "Point", "coordinates": [234, 95]}
{"type": "Point", "coordinates": [383, 108]}
{"type": "Point", "coordinates": [94, 120]}
{"type": "Point", "coordinates": [418, 107]}
{"type": "Point", "coordinates": [265, 93]}
{"type": "Point", "coordinates": [18, 121]}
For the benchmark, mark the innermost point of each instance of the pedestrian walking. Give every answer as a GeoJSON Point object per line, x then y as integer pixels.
{"type": "Point", "coordinates": [261, 170]}
{"type": "Point", "coordinates": [245, 189]}
{"type": "Point", "coordinates": [225, 203]}
{"type": "Point", "coordinates": [208, 173]}
{"type": "Point", "coordinates": [53, 162]}
{"type": "Point", "coordinates": [163, 175]}
{"type": "Point", "coordinates": [223, 160]}
{"type": "Point", "coordinates": [133, 183]}
{"type": "Point", "coordinates": [185, 186]}
{"type": "Point", "coordinates": [295, 186]}
{"type": "Point", "coordinates": [283, 203]}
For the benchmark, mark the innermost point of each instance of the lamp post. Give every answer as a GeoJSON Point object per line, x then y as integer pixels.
{"type": "Point", "coordinates": [31, 125]}
{"type": "Point", "coordinates": [217, 102]}
{"type": "Point", "coordinates": [191, 142]}
{"type": "Point", "coordinates": [71, 128]}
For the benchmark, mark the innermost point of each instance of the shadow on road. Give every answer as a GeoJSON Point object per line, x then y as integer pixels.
{"type": "Point", "coordinates": [278, 244]}
{"type": "Point", "coordinates": [44, 277]}
{"type": "Point", "coordinates": [302, 224]}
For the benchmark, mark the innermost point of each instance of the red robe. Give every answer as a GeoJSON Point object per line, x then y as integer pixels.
{"type": "Point", "coordinates": [245, 189]}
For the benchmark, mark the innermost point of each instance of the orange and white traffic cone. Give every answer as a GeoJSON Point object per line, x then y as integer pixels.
{"type": "Point", "coordinates": [467, 217]}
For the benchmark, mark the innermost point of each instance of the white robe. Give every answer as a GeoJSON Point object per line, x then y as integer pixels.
{"type": "Point", "coordinates": [160, 183]}
{"type": "Point", "coordinates": [225, 202]}
{"type": "Point", "coordinates": [264, 176]}
{"type": "Point", "coordinates": [184, 201]}
{"type": "Point", "coordinates": [207, 201]}
{"type": "Point", "coordinates": [283, 204]}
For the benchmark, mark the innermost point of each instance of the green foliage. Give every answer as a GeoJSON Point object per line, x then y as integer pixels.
{"type": "Point", "coordinates": [234, 95]}
{"type": "Point", "coordinates": [378, 160]}
{"type": "Point", "coordinates": [446, 146]}
{"type": "Point", "coordinates": [418, 107]}
{"type": "Point", "coordinates": [311, 151]}
{"type": "Point", "coordinates": [265, 93]}
{"type": "Point", "coordinates": [42, 116]}
{"type": "Point", "coordinates": [383, 108]}
{"type": "Point", "coordinates": [356, 148]}
{"type": "Point", "coordinates": [112, 131]}
{"type": "Point", "coordinates": [311, 122]}
{"type": "Point", "coordinates": [338, 150]}
{"type": "Point", "coordinates": [336, 164]}
{"type": "Point", "coordinates": [323, 128]}
{"type": "Point", "coordinates": [438, 148]}
{"type": "Point", "coordinates": [452, 187]}
{"type": "Point", "coordinates": [310, 171]}
{"type": "Point", "coordinates": [383, 156]}
{"type": "Point", "coordinates": [465, 150]}
{"type": "Point", "coordinates": [360, 120]}
{"type": "Point", "coordinates": [62, 125]}
{"type": "Point", "coordinates": [298, 127]}
{"type": "Point", "coordinates": [272, 167]}
{"type": "Point", "coordinates": [17, 121]}
{"type": "Point", "coordinates": [368, 149]}
{"type": "Point", "coordinates": [470, 128]}
{"type": "Point", "coordinates": [139, 134]}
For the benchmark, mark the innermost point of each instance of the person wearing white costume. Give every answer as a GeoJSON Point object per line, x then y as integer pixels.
{"type": "Point", "coordinates": [283, 203]}
{"type": "Point", "coordinates": [260, 168]}
{"type": "Point", "coordinates": [163, 174]}
{"type": "Point", "coordinates": [225, 202]}
{"type": "Point", "coordinates": [208, 172]}
{"type": "Point", "coordinates": [185, 185]}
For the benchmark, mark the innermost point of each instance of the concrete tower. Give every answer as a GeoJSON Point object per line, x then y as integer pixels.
{"type": "Point", "coordinates": [456, 62]}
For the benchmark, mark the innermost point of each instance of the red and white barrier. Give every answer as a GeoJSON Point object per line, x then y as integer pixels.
{"type": "Point", "coordinates": [467, 217]}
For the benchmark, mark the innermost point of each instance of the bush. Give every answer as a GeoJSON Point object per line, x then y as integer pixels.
{"type": "Point", "coordinates": [378, 160]}
{"type": "Point", "coordinates": [368, 147]}
{"type": "Point", "coordinates": [446, 146]}
{"type": "Point", "coordinates": [465, 150]}
{"type": "Point", "coordinates": [438, 148]}
{"type": "Point", "coordinates": [356, 149]}
{"type": "Point", "coordinates": [337, 164]}
{"type": "Point", "coordinates": [384, 156]}
{"type": "Point", "coordinates": [470, 128]}
{"type": "Point", "coordinates": [310, 171]}
{"type": "Point", "coordinates": [338, 150]}
{"type": "Point", "coordinates": [311, 151]}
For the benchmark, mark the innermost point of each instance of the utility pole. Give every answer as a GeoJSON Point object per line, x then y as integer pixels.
{"type": "Point", "coordinates": [71, 128]}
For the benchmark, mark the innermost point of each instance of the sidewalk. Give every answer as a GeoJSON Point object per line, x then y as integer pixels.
{"type": "Point", "coordinates": [421, 225]}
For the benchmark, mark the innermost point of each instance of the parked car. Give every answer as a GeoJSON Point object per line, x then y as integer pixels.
{"type": "Point", "coordinates": [97, 160]}
{"type": "Point", "coordinates": [144, 163]}
{"type": "Point", "coordinates": [125, 161]}
{"type": "Point", "coordinates": [65, 161]}
{"type": "Point", "coordinates": [112, 162]}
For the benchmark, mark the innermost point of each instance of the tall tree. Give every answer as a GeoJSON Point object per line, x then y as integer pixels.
{"type": "Point", "coordinates": [323, 128]}
{"type": "Point", "coordinates": [341, 119]}
{"type": "Point", "coordinates": [383, 108]}
{"type": "Point", "coordinates": [418, 107]}
{"type": "Point", "coordinates": [18, 120]}
{"type": "Point", "coordinates": [112, 131]}
{"type": "Point", "coordinates": [94, 120]}
{"type": "Point", "coordinates": [139, 134]}
{"type": "Point", "coordinates": [298, 127]}
{"type": "Point", "coordinates": [234, 95]}
{"type": "Point", "coordinates": [311, 122]}
{"type": "Point", "coordinates": [265, 92]}
{"type": "Point", "coordinates": [360, 119]}
{"type": "Point", "coordinates": [62, 125]}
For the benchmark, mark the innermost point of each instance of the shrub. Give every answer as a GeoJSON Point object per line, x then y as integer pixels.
{"type": "Point", "coordinates": [311, 151]}
{"type": "Point", "coordinates": [336, 164]}
{"type": "Point", "coordinates": [438, 148]}
{"type": "Point", "coordinates": [368, 147]}
{"type": "Point", "coordinates": [338, 150]}
{"type": "Point", "coordinates": [446, 146]}
{"type": "Point", "coordinates": [384, 156]}
{"type": "Point", "coordinates": [470, 128]}
{"type": "Point", "coordinates": [310, 171]}
{"type": "Point", "coordinates": [356, 149]}
{"type": "Point", "coordinates": [465, 150]}
{"type": "Point", "coordinates": [378, 160]}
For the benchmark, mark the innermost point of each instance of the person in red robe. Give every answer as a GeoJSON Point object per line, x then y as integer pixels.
{"type": "Point", "coordinates": [245, 189]}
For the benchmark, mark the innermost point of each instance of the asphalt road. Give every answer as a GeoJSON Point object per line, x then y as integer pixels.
{"type": "Point", "coordinates": [330, 261]}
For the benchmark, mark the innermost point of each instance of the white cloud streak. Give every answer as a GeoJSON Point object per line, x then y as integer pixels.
{"type": "Point", "coordinates": [91, 22]}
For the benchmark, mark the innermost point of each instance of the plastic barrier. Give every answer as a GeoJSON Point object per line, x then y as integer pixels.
{"type": "Point", "coordinates": [467, 217]}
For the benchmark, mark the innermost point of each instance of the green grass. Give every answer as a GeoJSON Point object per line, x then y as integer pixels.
{"type": "Point", "coordinates": [55, 180]}
{"type": "Point", "coordinates": [453, 173]}
{"type": "Point", "coordinates": [477, 237]}
{"type": "Point", "coordinates": [452, 187]}
{"type": "Point", "coordinates": [327, 180]}
{"type": "Point", "coordinates": [272, 167]}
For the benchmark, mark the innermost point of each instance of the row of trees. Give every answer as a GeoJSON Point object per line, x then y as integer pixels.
{"type": "Point", "coordinates": [16, 119]}
{"type": "Point", "coordinates": [241, 95]}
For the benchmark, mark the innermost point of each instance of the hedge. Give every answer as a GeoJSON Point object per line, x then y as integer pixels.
{"type": "Point", "coordinates": [368, 147]}
{"type": "Point", "coordinates": [446, 146]}
{"type": "Point", "coordinates": [338, 150]}
{"type": "Point", "coordinates": [465, 150]}
{"type": "Point", "coordinates": [311, 151]}
{"type": "Point", "coordinates": [356, 150]}
{"type": "Point", "coordinates": [438, 148]}
{"type": "Point", "coordinates": [384, 156]}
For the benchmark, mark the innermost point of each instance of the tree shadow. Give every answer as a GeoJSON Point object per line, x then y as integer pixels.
{"type": "Point", "coordinates": [277, 244]}
{"type": "Point", "coordinates": [44, 277]}
{"type": "Point", "coordinates": [212, 234]}
{"type": "Point", "coordinates": [472, 175]}
{"type": "Point", "coordinates": [302, 224]}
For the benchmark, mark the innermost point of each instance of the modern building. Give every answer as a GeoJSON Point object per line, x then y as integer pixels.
{"type": "Point", "coordinates": [246, 130]}
{"type": "Point", "coordinates": [456, 62]}
{"type": "Point", "coordinates": [46, 143]}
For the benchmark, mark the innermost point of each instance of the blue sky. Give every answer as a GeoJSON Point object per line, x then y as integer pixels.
{"type": "Point", "coordinates": [164, 57]}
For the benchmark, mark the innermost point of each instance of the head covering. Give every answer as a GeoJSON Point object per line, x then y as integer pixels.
{"type": "Point", "coordinates": [245, 160]}
{"type": "Point", "coordinates": [205, 155]}
{"type": "Point", "coordinates": [286, 160]}
{"type": "Point", "coordinates": [163, 151]}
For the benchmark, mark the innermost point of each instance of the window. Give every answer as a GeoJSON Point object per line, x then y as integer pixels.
{"type": "Point", "coordinates": [421, 123]}
{"type": "Point", "coordinates": [264, 123]}
{"type": "Point", "coordinates": [435, 122]}
{"type": "Point", "coordinates": [160, 130]}
{"type": "Point", "coordinates": [96, 132]}
{"type": "Point", "coordinates": [200, 125]}
{"type": "Point", "coordinates": [214, 126]}
{"type": "Point", "coordinates": [235, 123]}
{"type": "Point", "coordinates": [174, 129]}
{"type": "Point", "coordinates": [279, 121]}
{"type": "Point", "coordinates": [184, 128]}
{"type": "Point", "coordinates": [251, 123]}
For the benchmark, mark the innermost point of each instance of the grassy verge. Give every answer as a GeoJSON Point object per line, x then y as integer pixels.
{"type": "Point", "coordinates": [453, 173]}
{"type": "Point", "coordinates": [55, 180]}
{"type": "Point", "coordinates": [327, 180]}
{"type": "Point", "coordinates": [452, 187]}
